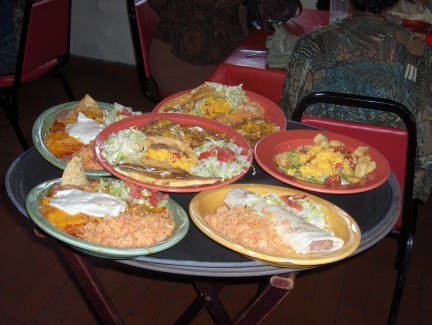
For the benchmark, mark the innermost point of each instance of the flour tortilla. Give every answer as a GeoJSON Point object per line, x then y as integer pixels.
{"type": "Point", "coordinates": [73, 173]}
{"type": "Point", "coordinates": [165, 179]}
{"type": "Point", "coordinates": [301, 236]}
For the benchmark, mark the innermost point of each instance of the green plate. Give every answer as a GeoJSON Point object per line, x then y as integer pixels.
{"type": "Point", "coordinates": [34, 209]}
{"type": "Point", "coordinates": [42, 125]}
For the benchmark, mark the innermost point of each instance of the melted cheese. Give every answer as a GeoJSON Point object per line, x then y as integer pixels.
{"type": "Point", "coordinates": [183, 162]}
{"type": "Point", "coordinates": [214, 107]}
{"type": "Point", "coordinates": [319, 162]}
{"type": "Point", "coordinates": [85, 129]}
{"type": "Point", "coordinates": [95, 204]}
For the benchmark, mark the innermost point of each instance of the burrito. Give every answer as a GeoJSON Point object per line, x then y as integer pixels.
{"type": "Point", "coordinates": [302, 236]}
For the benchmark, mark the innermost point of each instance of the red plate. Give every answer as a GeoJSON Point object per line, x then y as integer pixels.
{"type": "Point", "coordinates": [274, 144]}
{"type": "Point", "coordinates": [272, 112]}
{"type": "Point", "coordinates": [182, 119]}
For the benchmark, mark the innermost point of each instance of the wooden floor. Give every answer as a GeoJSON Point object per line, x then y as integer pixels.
{"type": "Point", "coordinates": [37, 287]}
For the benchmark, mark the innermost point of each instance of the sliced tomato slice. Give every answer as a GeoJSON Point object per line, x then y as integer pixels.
{"type": "Point", "coordinates": [291, 203]}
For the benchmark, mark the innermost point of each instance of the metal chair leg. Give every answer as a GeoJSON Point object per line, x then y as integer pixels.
{"type": "Point", "coordinates": [59, 72]}
{"type": "Point", "coordinates": [12, 115]}
{"type": "Point", "coordinates": [406, 243]}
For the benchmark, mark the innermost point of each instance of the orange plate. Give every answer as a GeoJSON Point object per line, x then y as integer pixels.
{"type": "Point", "coordinates": [274, 144]}
{"type": "Point", "coordinates": [272, 112]}
{"type": "Point", "coordinates": [182, 119]}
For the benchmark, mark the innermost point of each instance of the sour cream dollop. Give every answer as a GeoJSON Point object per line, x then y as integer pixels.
{"type": "Point", "coordinates": [85, 129]}
{"type": "Point", "coordinates": [97, 204]}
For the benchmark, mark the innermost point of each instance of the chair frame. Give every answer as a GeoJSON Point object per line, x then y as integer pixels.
{"type": "Point", "coordinates": [405, 234]}
{"type": "Point", "coordinates": [140, 55]}
{"type": "Point", "coordinates": [11, 104]}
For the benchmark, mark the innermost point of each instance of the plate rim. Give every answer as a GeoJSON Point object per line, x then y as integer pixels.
{"type": "Point", "coordinates": [38, 135]}
{"type": "Point", "coordinates": [33, 209]}
{"type": "Point", "coordinates": [128, 122]}
{"type": "Point", "coordinates": [276, 260]}
{"type": "Point", "coordinates": [314, 187]}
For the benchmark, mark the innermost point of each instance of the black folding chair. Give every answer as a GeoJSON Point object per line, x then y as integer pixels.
{"type": "Point", "coordinates": [400, 156]}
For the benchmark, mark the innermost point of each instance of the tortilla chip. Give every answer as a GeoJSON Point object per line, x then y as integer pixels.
{"type": "Point", "coordinates": [88, 102]}
{"type": "Point", "coordinates": [74, 173]}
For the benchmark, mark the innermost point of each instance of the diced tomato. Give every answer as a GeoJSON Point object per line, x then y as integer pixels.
{"type": "Point", "coordinates": [221, 154]}
{"type": "Point", "coordinates": [155, 197]}
{"type": "Point", "coordinates": [209, 153]}
{"type": "Point", "coordinates": [333, 180]}
{"type": "Point", "coordinates": [226, 155]}
{"type": "Point", "coordinates": [291, 203]}
{"type": "Point", "coordinates": [349, 157]}
{"type": "Point", "coordinates": [176, 155]}
{"type": "Point", "coordinates": [343, 149]}
{"type": "Point", "coordinates": [125, 112]}
{"type": "Point", "coordinates": [163, 196]}
{"type": "Point", "coordinates": [134, 191]}
{"type": "Point", "coordinates": [339, 166]}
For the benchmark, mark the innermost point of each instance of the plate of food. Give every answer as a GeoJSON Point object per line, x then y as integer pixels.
{"type": "Point", "coordinates": [277, 225]}
{"type": "Point", "coordinates": [173, 152]}
{"type": "Point", "coordinates": [69, 129]}
{"type": "Point", "coordinates": [106, 217]}
{"type": "Point", "coordinates": [250, 114]}
{"type": "Point", "coordinates": [322, 161]}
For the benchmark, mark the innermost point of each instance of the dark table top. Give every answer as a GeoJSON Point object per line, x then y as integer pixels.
{"type": "Point", "coordinates": [375, 211]}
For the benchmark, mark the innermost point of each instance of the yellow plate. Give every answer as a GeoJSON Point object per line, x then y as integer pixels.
{"type": "Point", "coordinates": [341, 223]}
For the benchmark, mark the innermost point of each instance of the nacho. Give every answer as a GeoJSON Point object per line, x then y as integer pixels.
{"type": "Point", "coordinates": [74, 174]}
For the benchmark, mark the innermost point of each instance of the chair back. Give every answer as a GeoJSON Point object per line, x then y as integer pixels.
{"type": "Point", "coordinates": [144, 27]}
{"type": "Point", "coordinates": [397, 145]}
{"type": "Point", "coordinates": [44, 39]}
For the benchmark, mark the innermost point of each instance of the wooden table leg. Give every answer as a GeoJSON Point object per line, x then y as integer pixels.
{"type": "Point", "coordinates": [276, 290]}
{"type": "Point", "coordinates": [198, 305]}
{"type": "Point", "coordinates": [91, 285]}
{"type": "Point", "coordinates": [269, 296]}
{"type": "Point", "coordinates": [214, 305]}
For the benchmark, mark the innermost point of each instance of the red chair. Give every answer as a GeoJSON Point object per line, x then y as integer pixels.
{"type": "Point", "coordinates": [144, 22]}
{"type": "Point", "coordinates": [397, 145]}
{"type": "Point", "coordinates": [44, 49]}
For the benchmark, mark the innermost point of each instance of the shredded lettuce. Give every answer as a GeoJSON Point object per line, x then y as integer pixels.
{"type": "Point", "coordinates": [117, 113]}
{"type": "Point", "coordinates": [121, 190]}
{"type": "Point", "coordinates": [311, 212]}
{"type": "Point", "coordinates": [234, 95]}
{"type": "Point", "coordinates": [211, 167]}
{"type": "Point", "coordinates": [123, 146]}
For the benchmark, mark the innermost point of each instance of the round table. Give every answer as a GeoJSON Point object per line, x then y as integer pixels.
{"type": "Point", "coordinates": [375, 211]}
